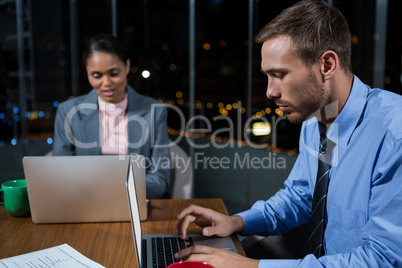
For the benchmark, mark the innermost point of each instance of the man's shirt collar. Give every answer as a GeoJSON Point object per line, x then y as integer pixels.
{"type": "Point", "coordinates": [342, 128]}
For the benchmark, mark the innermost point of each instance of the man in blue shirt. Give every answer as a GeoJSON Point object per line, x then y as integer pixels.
{"type": "Point", "coordinates": [306, 56]}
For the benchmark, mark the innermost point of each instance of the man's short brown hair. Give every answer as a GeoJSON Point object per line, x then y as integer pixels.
{"type": "Point", "coordinates": [313, 27]}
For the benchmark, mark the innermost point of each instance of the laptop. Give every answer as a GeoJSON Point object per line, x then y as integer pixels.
{"type": "Point", "coordinates": [72, 189]}
{"type": "Point", "coordinates": [156, 250]}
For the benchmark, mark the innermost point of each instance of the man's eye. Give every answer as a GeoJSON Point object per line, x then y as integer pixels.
{"type": "Point", "coordinates": [275, 75]}
{"type": "Point", "coordinates": [114, 73]}
{"type": "Point", "coordinates": [278, 75]}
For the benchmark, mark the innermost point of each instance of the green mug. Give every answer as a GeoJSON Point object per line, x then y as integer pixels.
{"type": "Point", "coordinates": [15, 197]}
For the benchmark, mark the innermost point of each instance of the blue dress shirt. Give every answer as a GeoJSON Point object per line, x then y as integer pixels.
{"type": "Point", "coordinates": [364, 201]}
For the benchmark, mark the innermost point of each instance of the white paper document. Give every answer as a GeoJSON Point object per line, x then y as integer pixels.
{"type": "Point", "coordinates": [60, 257]}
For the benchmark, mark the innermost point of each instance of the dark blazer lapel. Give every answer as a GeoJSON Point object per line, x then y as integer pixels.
{"type": "Point", "coordinates": [136, 108]}
{"type": "Point", "coordinates": [89, 124]}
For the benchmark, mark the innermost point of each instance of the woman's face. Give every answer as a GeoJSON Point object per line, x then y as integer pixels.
{"type": "Point", "coordinates": [107, 74]}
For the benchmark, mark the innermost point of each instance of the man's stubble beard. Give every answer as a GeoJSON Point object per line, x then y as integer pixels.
{"type": "Point", "coordinates": [315, 100]}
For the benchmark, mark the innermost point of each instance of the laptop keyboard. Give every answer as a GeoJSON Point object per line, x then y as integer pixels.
{"type": "Point", "coordinates": [164, 248]}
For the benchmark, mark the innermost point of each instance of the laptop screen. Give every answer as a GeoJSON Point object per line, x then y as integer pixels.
{"type": "Point", "coordinates": [64, 189]}
{"type": "Point", "coordinates": [134, 214]}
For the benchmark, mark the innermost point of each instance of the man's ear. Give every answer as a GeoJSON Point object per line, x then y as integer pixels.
{"type": "Point", "coordinates": [329, 64]}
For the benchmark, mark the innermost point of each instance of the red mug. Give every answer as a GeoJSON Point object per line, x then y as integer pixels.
{"type": "Point", "coordinates": [190, 264]}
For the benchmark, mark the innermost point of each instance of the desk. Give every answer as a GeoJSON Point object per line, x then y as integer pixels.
{"type": "Point", "coordinates": [110, 244]}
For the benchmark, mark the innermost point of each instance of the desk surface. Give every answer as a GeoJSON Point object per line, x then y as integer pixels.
{"type": "Point", "coordinates": [110, 244]}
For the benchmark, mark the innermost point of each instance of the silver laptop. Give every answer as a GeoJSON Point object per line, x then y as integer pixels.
{"type": "Point", "coordinates": [156, 250]}
{"type": "Point", "coordinates": [67, 189]}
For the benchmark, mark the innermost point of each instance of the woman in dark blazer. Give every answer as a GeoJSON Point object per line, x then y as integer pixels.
{"type": "Point", "coordinates": [113, 118]}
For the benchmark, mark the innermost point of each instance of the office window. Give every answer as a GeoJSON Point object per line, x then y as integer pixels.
{"type": "Point", "coordinates": [41, 46]}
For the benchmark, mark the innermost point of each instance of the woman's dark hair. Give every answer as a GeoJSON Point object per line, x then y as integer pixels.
{"type": "Point", "coordinates": [105, 43]}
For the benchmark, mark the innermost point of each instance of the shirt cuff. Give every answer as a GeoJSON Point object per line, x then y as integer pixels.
{"type": "Point", "coordinates": [278, 263]}
{"type": "Point", "coordinates": [254, 221]}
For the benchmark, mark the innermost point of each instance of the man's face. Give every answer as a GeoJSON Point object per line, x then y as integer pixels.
{"type": "Point", "coordinates": [296, 89]}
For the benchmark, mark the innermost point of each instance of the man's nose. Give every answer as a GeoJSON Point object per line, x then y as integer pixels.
{"type": "Point", "coordinates": [273, 92]}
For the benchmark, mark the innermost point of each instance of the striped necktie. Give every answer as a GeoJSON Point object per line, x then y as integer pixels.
{"type": "Point", "coordinates": [317, 221]}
